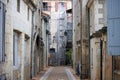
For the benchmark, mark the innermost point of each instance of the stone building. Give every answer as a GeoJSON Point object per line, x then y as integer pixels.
{"type": "Point", "coordinates": [80, 38]}
{"type": "Point", "coordinates": [69, 35]}
{"type": "Point", "coordinates": [113, 36]}
{"type": "Point", "coordinates": [69, 29]}
{"type": "Point", "coordinates": [16, 17]}
{"type": "Point", "coordinates": [46, 37]}
{"type": "Point", "coordinates": [93, 59]}
{"type": "Point", "coordinates": [100, 61]}
{"type": "Point", "coordinates": [20, 39]}
{"type": "Point", "coordinates": [76, 33]}
{"type": "Point", "coordinates": [51, 7]}
{"type": "Point", "coordinates": [37, 40]}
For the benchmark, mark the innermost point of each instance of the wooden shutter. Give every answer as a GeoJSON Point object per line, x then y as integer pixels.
{"type": "Point", "coordinates": [113, 17]}
{"type": "Point", "coordinates": [2, 32]}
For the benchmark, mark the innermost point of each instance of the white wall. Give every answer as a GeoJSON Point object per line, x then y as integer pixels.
{"type": "Point", "coordinates": [76, 28]}
{"type": "Point", "coordinates": [15, 21]}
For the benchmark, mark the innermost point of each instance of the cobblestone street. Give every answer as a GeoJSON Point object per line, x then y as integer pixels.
{"type": "Point", "coordinates": [58, 73]}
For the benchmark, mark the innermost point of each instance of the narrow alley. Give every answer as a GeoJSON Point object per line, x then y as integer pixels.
{"type": "Point", "coordinates": [59, 39]}
{"type": "Point", "coordinates": [57, 73]}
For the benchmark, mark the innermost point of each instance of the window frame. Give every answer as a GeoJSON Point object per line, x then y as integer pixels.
{"type": "Point", "coordinates": [45, 6]}
{"type": "Point", "coordinates": [15, 53]}
{"type": "Point", "coordinates": [2, 9]}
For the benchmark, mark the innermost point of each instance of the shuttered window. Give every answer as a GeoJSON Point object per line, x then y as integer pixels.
{"type": "Point", "coordinates": [2, 32]}
{"type": "Point", "coordinates": [26, 51]}
{"type": "Point", "coordinates": [15, 49]}
{"type": "Point", "coordinates": [2, 77]}
{"type": "Point", "coordinates": [113, 17]}
{"type": "Point", "coordinates": [45, 6]}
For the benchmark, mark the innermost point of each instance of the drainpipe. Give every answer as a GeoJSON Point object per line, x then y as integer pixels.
{"type": "Point", "coordinates": [101, 46]}
{"type": "Point", "coordinates": [89, 71]}
{"type": "Point", "coordinates": [80, 2]}
{"type": "Point", "coordinates": [32, 55]}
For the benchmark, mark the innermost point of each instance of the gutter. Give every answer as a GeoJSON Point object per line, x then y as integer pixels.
{"type": "Point", "coordinates": [32, 60]}
{"type": "Point", "coordinates": [89, 73]}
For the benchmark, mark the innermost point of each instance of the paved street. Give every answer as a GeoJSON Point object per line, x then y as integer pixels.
{"type": "Point", "coordinates": [58, 73]}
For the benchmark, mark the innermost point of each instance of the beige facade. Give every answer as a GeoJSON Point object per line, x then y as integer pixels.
{"type": "Point", "coordinates": [76, 33]}
{"type": "Point", "coordinates": [46, 37]}
{"type": "Point", "coordinates": [16, 22]}
{"type": "Point", "coordinates": [100, 61]}
{"type": "Point", "coordinates": [37, 44]}
{"type": "Point", "coordinates": [18, 31]}
{"type": "Point", "coordinates": [52, 10]}
{"type": "Point", "coordinates": [80, 36]}
{"type": "Point", "coordinates": [90, 40]}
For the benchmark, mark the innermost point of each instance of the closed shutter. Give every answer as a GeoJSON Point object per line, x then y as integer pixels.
{"type": "Point", "coordinates": [15, 48]}
{"type": "Point", "coordinates": [2, 77]}
{"type": "Point", "coordinates": [113, 17]}
{"type": "Point", "coordinates": [2, 31]}
{"type": "Point", "coordinates": [25, 52]}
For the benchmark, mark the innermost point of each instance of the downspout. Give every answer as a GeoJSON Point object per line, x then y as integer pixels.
{"type": "Point", "coordinates": [46, 45]}
{"type": "Point", "coordinates": [80, 1]}
{"type": "Point", "coordinates": [101, 46]}
{"type": "Point", "coordinates": [32, 55]}
{"type": "Point", "coordinates": [89, 43]}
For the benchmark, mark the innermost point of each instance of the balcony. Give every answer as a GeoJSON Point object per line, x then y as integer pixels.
{"type": "Point", "coordinates": [31, 3]}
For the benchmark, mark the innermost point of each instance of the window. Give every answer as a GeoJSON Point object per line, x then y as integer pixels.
{"type": "Point", "coordinates": [2, 32]}
{"type": "Point", "coordinates": [26, 41]}
{"type": "Point", "coordinates": [39, 11]}
{"type": "Point", "coordinates": [101, 20]}
{"type": "Point", "coordinates": [62, 3]}
{"type": "Point", "coordinates": [18, 5]}
{"type": "Point", "coordinates": [100, 1]}
{"type": "Point", "coordinates": [28, 14]}
{"type": "Point", "coordinates": [7, 1]}
{"type": "Point", "coordinates": [100, 10]}
{"type": "Point", "coordinates": [15, 49]}
{"type": "Point", "coordinates": [45, 6]}
{"type": "Point", "coordinates": [3, 77]}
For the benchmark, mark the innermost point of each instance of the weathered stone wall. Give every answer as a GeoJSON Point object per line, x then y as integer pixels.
{"type": "Point", "coordinates": [76, 33]}
{"type": "Point", "coordinates": [16, 21]}
{"type": "Point", "coordinates": [106, 61]}
{"type": "Point", "coordinates": [27, 72]}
